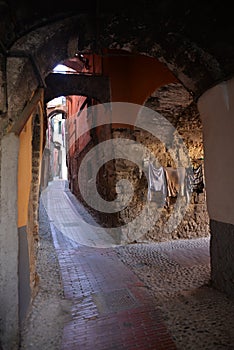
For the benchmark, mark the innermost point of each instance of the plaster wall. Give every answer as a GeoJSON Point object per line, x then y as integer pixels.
{"type": "Point", "coordinates": [216, 107]}
{"type": "Point", "coordinates": [9, 243]}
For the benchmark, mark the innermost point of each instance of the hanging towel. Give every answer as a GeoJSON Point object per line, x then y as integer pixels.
{"type": "Point", "coordinates": [181, 178]}
{"type": "Point", "coordinates": [175, 181]}
{"type": "Point", "coordinates": [156, 181]}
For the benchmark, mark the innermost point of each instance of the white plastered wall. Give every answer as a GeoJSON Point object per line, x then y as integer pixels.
{"type": "Point", "coordinates": [216, 107]}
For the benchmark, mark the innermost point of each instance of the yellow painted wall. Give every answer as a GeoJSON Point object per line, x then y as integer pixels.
{"type": "Point", "coordinates": [24, 172]}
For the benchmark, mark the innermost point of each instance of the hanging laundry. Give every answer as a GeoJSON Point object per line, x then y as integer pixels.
{"type": "Point", "coordinates": [157, 182]}
{"type": "Point", "coordinates": [175, 181]}
{"type": "Point", "coordinates": [189, 183]}
{"type": "Point", "coordinates": [198, 183]}
{"type": "Point", "coordinates": [181, 178]}
{"type": "Point", "coordinates": [189, 179]}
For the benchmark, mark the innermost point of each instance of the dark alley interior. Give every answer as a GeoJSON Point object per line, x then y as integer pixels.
{"type": "Point", "coordinates": [116, 185]}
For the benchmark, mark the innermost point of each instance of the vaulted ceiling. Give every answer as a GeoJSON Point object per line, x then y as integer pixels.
{"type": "Point", "coordinates": [193, 38]}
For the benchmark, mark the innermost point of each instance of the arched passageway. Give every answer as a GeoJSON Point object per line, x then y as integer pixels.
{"type": "Point", "coordinates": [32, 43]}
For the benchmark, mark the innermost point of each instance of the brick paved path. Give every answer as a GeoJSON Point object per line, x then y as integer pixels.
{"type": "Point", "coordinates": [111, 308]}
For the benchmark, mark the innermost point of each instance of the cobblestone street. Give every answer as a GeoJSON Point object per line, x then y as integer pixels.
{"type": "Point", "coordinates": [138, 296]}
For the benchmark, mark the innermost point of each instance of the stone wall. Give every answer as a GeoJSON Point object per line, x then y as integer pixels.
{"type": "Point", "coordinates": [32, 227]}
{"type": "Point", "coordinates": [142, 220]}
{"type": "Point", "coordinates": [175, 104]}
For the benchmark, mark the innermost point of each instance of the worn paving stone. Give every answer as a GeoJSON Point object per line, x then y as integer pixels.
{"type": "Point", "coordinates": [65, 313]}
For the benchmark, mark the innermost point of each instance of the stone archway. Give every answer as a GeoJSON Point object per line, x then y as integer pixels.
{"type": "Point", "coordinates": [96, 87]}
{"type": "Point", "coordinates": [30, 58]}
{"type": "Point", "coordinates": [33, 56]}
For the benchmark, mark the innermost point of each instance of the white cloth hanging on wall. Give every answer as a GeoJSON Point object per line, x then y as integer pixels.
{"type": "Point", "coordinates": [156, 181]}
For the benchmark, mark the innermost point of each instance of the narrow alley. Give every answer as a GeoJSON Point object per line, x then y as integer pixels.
{"type": "Point", "coordinates": [136, 296]}
{"type": "Point", "coordinates": [116, 179]}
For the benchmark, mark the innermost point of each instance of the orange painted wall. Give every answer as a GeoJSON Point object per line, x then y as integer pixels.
{"type": "Point", "coordinates": [24, 172]}
{"type": "Point", "coordinates": [134, 77]}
